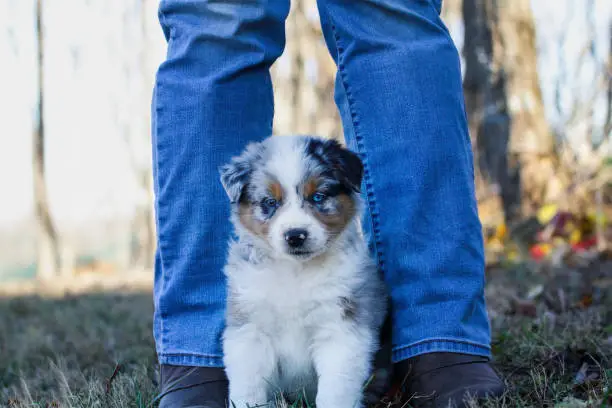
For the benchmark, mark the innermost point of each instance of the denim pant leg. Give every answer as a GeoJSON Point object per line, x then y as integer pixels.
{"type": "Point", "coordinates": [399, 92]}
{"type": "Point", "coordinates": [213, 95]}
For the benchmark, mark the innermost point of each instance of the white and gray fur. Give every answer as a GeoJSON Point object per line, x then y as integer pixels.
{"type": "Point", "coordinates": [304, 320]}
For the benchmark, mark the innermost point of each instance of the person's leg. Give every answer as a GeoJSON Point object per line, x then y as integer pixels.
{"type": "Point", "coordinates": [399, 93]}
{"type": "Point", "coordinates": [213, 95]}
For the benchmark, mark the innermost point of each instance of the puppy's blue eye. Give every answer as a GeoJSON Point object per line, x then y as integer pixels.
{"type": "Point", "coordinates": [318, 198]}
{"type": "Point", "coordinates": [271, 202]}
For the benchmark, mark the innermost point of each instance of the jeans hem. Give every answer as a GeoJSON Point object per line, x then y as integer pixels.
{"type": "Point", "coordinates": [440, 345]}
{"type": "Point", "coordinates": [192, 360]}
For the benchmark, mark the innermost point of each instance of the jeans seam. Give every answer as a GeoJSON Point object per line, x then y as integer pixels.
{"type": "Point", "coordinates": [162, 314]}
{"type": "Point", "coordinates": [437, 6]}
{"type": "Point", "coordinates": [370, 196]}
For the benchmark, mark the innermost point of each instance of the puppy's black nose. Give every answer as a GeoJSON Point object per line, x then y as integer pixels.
{"type": "Point", "coordinates": [295, 237]}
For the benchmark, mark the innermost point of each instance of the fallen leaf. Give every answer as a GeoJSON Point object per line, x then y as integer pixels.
{"type": "Point", "coordinates": [575, 236]}
{"type": "Point", "coordinates": [585, 244]}
{"type": "Point", "coordinates": [540, 251]}
{"type": "Point", "coordinates": [546, 213]}
{"type": "Point", "coordinates": [586, 301]}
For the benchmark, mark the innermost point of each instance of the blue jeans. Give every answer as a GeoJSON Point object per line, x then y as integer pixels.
{"type": "Point", "coordinates": [399, 92]}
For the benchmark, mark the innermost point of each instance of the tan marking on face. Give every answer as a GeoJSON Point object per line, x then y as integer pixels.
{"type": "Point", "coordinates": [336, 223]}
{"type": "Point", "coordinates": [310, 187]}
{"type": "Point", "coordinates": [276, 190]}
{"type": "Point", "coordinates": [246, 214]}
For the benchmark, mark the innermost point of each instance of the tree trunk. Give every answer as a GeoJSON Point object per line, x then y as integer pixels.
{"type": "Point", "coordinates": [304, 78]}
{"type": "Point", "coordinates": [608, 119]}
{"type": "Point", "coordinates": [514, 146]}
{"type": "Point", "coordinates": [489, 120]}
{"type": "Point", "coordinates": [48, 265]}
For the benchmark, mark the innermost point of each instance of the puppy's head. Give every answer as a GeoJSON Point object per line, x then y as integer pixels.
{"type": "Point", "coordinates": [295, 194]}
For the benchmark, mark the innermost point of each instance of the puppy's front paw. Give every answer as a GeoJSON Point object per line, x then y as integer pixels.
{"type": "Point", "coordinates": [249, 364]}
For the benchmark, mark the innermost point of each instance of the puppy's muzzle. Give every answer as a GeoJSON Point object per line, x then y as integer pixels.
{"type": "Point", "coordinates": [296, 237]}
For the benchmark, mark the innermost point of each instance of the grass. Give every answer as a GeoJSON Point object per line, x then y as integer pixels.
{"type": "Point", "coordinates": [93, 348]}
{"type": "Point", "coordinates": [548, 363]}
{"type": "Point", "coordinates": [85, 350]}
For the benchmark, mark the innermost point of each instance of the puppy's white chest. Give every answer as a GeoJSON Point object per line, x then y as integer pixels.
{"type": "Point", "coordinates": [290, 308]}
{"type": "Point", "coordinates": [295, 368]}
{"type": "Point", "coordinates": [293, 306]}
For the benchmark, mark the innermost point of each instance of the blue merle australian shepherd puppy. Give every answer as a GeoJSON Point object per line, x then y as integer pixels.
{"type": "Point", "coordinates": [305, 301]}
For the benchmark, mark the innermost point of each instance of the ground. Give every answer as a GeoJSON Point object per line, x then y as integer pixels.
{"type": "Point", "coordinates": [91, 345]}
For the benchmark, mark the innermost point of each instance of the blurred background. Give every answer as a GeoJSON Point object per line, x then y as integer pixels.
{"type": "Point", "coordinates": [77, 234]}
{"type": "Point", "coordinates": [76, 178]}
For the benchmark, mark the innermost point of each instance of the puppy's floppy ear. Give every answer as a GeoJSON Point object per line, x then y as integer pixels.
{"type": "Point", "coordinates": [236, 174]}
{"type": "Point", "coordinates": [346, 163]}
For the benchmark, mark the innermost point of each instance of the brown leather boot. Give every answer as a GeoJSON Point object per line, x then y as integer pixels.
{"type": "Point", "coordinates": [193, 387]}
{"type": "Point", "coordinates": [442, 380]}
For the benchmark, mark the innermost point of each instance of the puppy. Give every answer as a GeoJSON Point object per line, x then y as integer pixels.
{"type": "Point", "coordinates": [305, 302]}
